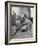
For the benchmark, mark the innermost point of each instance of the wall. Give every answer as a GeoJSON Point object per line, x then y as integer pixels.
{"type": "Point", "coordinates": [37, 22]}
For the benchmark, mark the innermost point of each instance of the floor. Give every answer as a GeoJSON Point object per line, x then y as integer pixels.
{"type": "Point", "coordinates": [19, 34]}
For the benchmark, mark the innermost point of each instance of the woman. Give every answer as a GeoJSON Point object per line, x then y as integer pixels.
{"type": "Point", "coordinates": [27, 24]}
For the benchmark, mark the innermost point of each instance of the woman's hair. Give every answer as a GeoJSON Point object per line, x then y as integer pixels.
{"type": "Point", "coordinates": [25, 15]}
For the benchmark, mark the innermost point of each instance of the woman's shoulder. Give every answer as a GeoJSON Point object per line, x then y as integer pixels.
{"type": "Point", "coordinates": [28, 21]}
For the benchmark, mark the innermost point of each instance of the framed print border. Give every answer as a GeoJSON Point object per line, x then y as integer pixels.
{"type": "Point", "coordinates": [6, 22]}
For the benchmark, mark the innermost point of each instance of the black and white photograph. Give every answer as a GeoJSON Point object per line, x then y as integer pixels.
{"type": "Point", "coordinates": [20, 22]}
